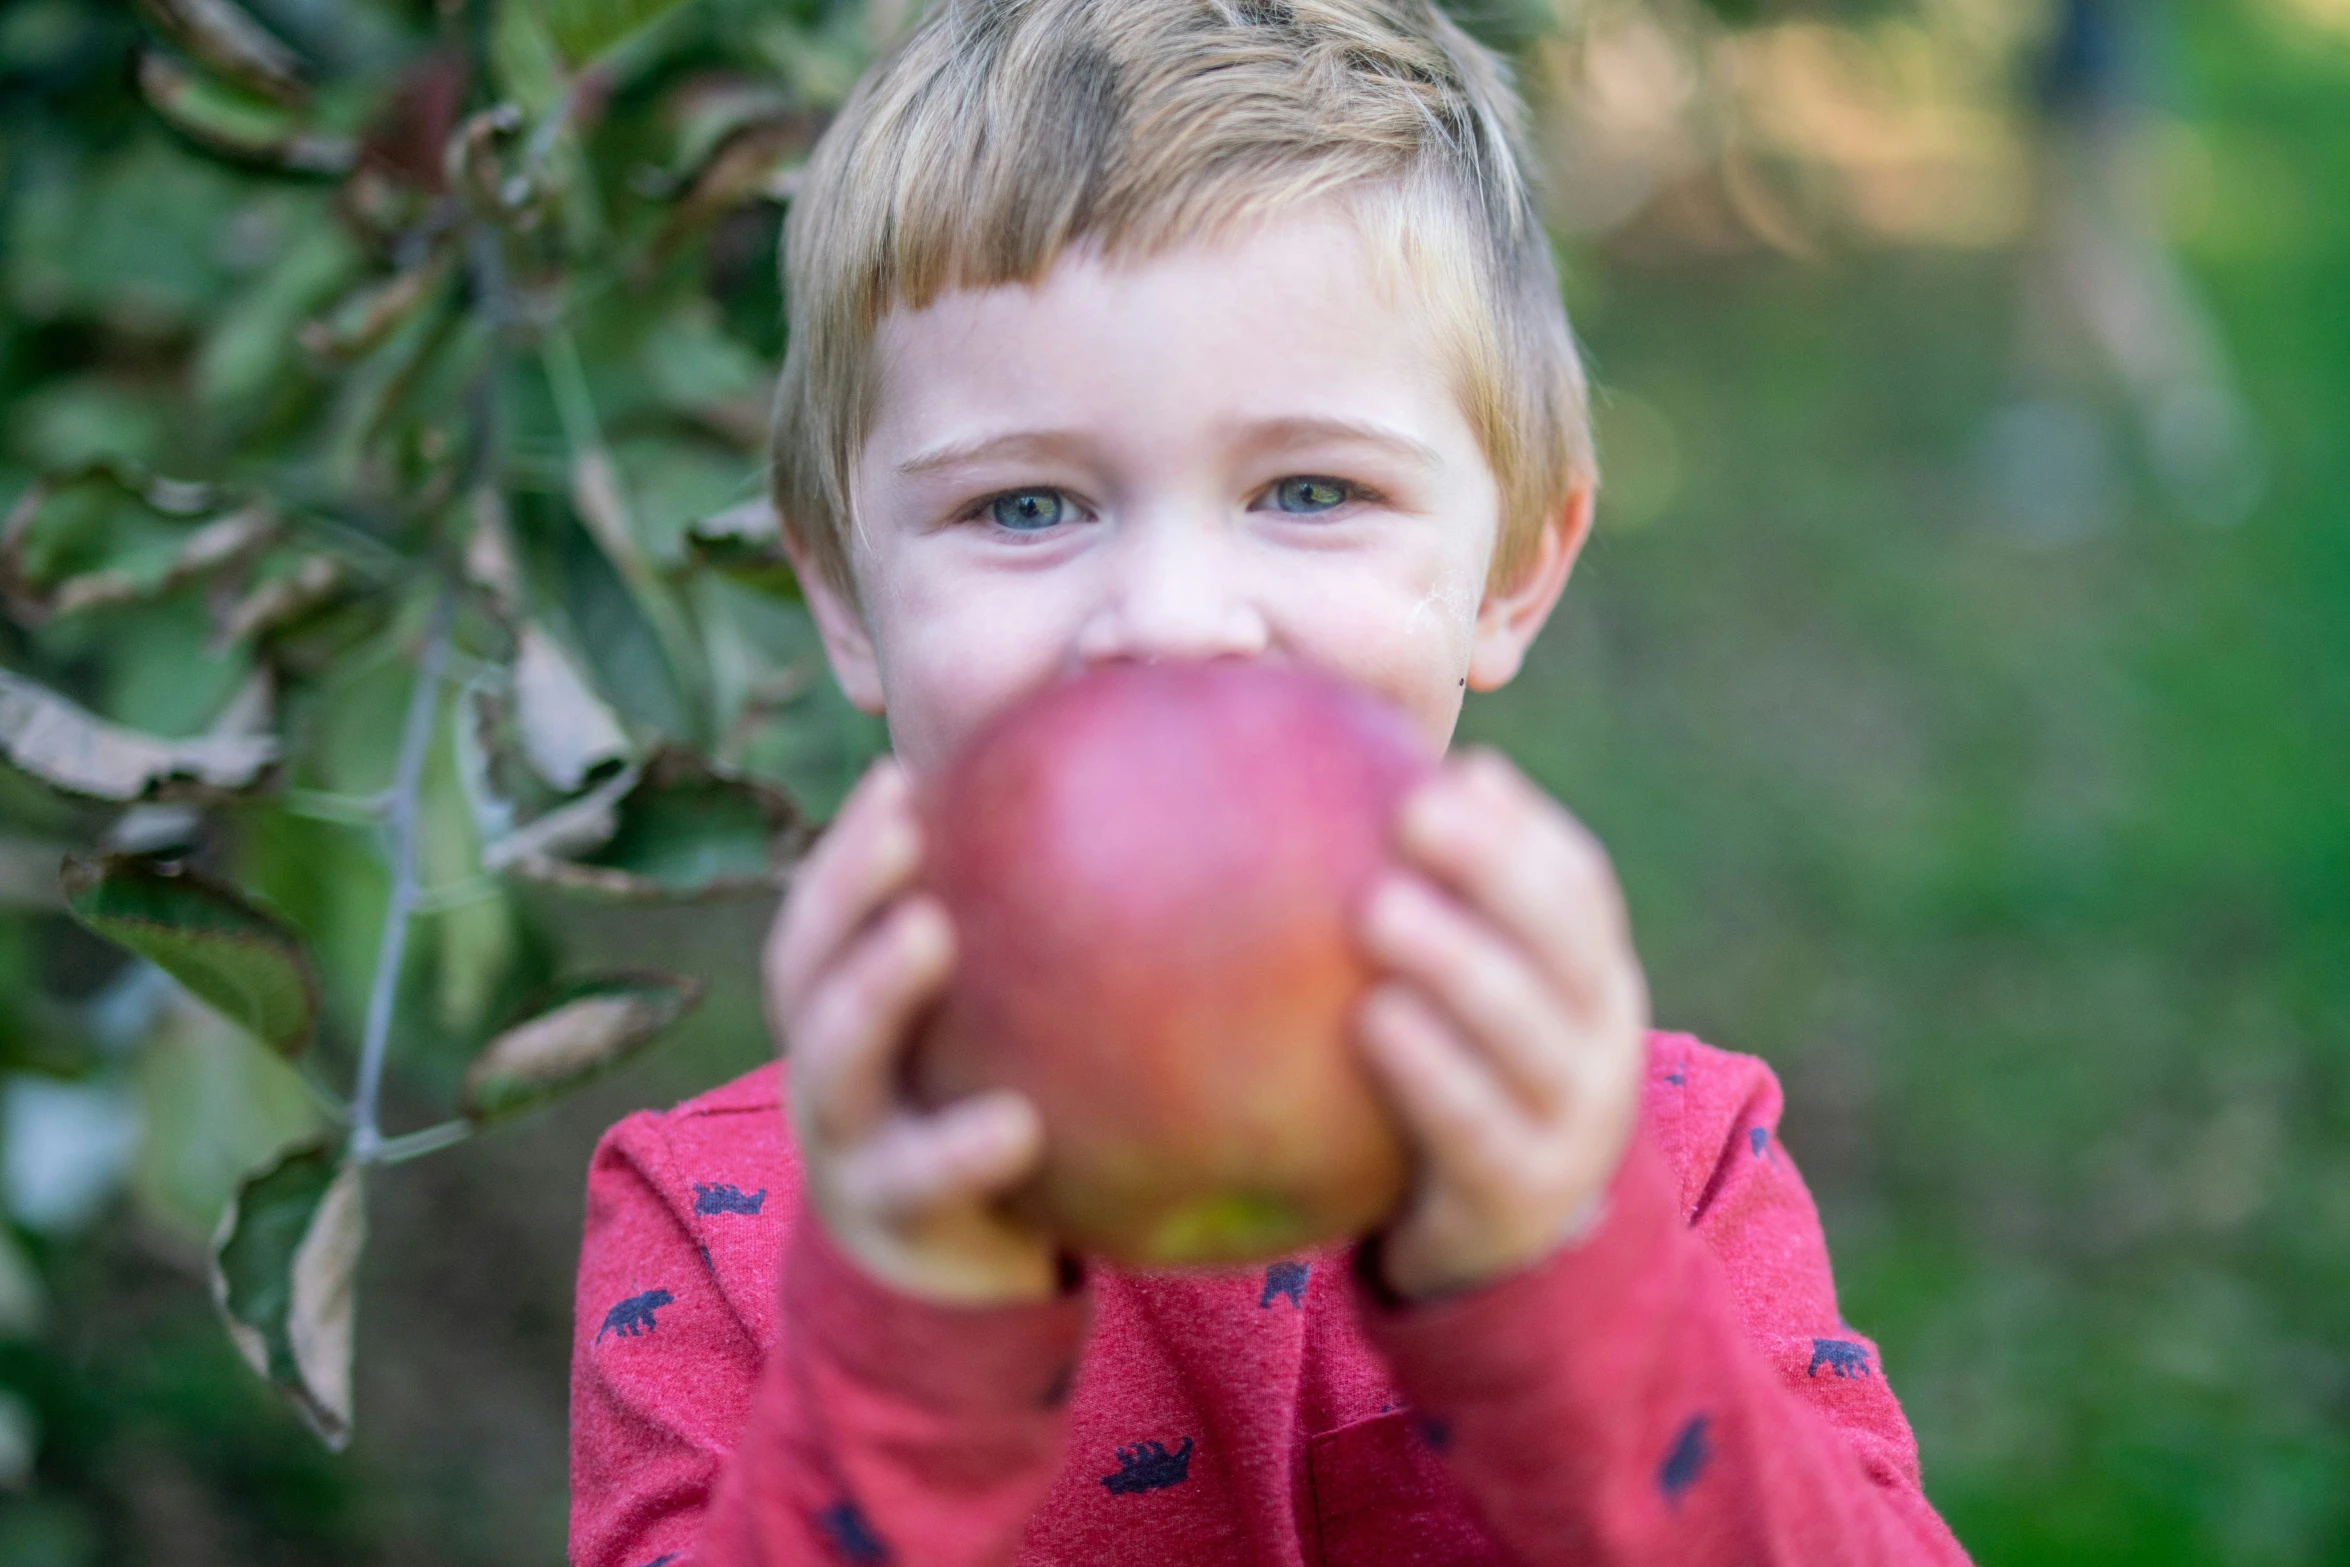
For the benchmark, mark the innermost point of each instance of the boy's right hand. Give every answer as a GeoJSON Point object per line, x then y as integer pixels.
{"type": "Point", "coordinates": [854, 959]}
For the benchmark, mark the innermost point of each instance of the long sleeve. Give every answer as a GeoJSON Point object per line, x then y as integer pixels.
{"type": "Point", "coordinates": [874, 1428]}
{"type": "Point", "coordinates": [1678, 1385]}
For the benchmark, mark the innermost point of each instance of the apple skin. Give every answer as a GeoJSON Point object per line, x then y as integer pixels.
{"type": "Point", "coordinates": [1154, 873]}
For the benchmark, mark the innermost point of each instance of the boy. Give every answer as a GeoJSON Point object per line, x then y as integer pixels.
{"type": "Point", "coordinates": [1143, 329]}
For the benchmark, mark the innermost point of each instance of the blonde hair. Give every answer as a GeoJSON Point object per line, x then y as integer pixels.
{"type": "Point", "coordinates": [1000, 132]}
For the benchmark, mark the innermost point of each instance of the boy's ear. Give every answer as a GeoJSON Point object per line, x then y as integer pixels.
{"type": "Point", "coordinates": [848, 645]}
{"type": "Point", "coordinates": [1510, 616]}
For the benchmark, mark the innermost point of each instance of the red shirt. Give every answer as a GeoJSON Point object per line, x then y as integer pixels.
{"type": "Point", "coordinates": [1676, 1386]}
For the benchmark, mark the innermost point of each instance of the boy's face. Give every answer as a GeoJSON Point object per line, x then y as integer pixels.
{"type": "Point", "coordinates": [1241, 451]}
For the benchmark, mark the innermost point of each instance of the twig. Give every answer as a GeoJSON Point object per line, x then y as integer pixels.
{"type": "Point", "coordinates": [350, 810]}
{"type": "Point", "coordinates": [367, 1143]}
{"type": "Point", "coordinates": [415, 1145]}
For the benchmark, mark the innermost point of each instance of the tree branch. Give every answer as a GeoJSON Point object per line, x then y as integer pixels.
{"type": "Point", "coordinates": [367, 1142]}
{"type": "Point", "coordinates": [415, 1145]}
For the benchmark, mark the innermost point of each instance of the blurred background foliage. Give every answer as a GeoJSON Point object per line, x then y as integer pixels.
{"type": "Point", "coordinates": [1961, 678]}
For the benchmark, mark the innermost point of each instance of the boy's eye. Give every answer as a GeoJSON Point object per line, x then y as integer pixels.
{"type": "Point", "coordinates": [1306, 494]}
{"type": "Point", "coordinates": [1027, 511]}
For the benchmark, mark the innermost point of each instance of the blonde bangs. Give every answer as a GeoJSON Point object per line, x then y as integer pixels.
{"type": "Point", "coordinates": [1001, 132]}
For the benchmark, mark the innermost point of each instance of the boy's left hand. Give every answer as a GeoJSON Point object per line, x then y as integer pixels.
{"type": "Point", "coordinates": [1508, 1032]}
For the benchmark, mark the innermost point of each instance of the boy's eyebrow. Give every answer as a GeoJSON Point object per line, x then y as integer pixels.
{"type": "Point", "coordinates": [1301, 429]}
{"type": "Point", "coordinates": [1015, 443]}
{"type": "Point", "coordinates": [1290, 431]}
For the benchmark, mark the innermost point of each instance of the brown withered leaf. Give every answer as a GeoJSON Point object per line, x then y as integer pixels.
{"type": "Point", "coordinates": [283, 1264]}
{"type": "Point", "coordinates": [684, 830]}
{"type": "Point", "coordinates": [568, 731]}
{"type": "Point", "coordinates": [218, 543]}
{"type": "Point", "coordinates": [280, 600]}
{"type": "Point", "coordinates": [590, 1026]}
{"type": "Point", "coordinates": [70, 748]}
{"type": "Point", "coordinates": [226, 37]}
{"type": "Point", "coordinates": [236, 124]}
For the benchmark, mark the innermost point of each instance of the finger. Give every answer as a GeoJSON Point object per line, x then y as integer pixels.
{"type": "Point", "coordinates": [845, 1059]}
{"type": "Point", "coordinates": [1456, 1115]}
{"type": "Point", "coordinates": [1510, 851]}
{"type": "Point", "coordinates": [870, 852]}
{"type": "Point", "coordinates": [972, 1150]}
{"type": "Point", "coordinates": [1504, 1006]}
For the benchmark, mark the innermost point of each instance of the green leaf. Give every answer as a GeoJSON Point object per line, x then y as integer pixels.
{"type": "Point", "coordinates": [283, 592]}
{"type": "Point", "coordinates": [282, 1270]}
{"type": "Point", "coordinates": [374, 311]}
{"type": "Point", "coordinates": [529, 71]}
{"type": "Point", "coordinates": [248, 350]}
{"type": "Point", "coordinates": [691, 361]}
{"type": "Point", "coordinates": [94, 418]}
{"type": "Point", "coordinates": [28, 874]}
{"type": "Point", "coordinates": [238, 124]}
{"type": "Point", "coordinates": [571, 828]}
{"type": "Point", "coordinates": [135, 240]}
{"type": "Point", "coordinates": [585, 30]}
{"type": "Point", "coordinates": [745, 543]}
{"type": "Point", "coordinates": [588, 1027]}
{"type": "Point", "coordinates": [600, 501]}
{"type": "Point", "coordinates": [242, 961]}
{"type": "Point", "coordinates": [685, 830]}
{"type": "Point", "coordinates": [708, 109]}
{"type": "Point", "coordinates": [225, 37]}
{"type": "Point", "coordinates": [85, 537]}
{"type": "Point", "coordinates": [675, 483]}
{"type": "Point", "coordinates": [215, 1105]}
{"type": "Point", "coordinates": [70, 748]}
{"type": "Point", "coordinates": [576, 584]}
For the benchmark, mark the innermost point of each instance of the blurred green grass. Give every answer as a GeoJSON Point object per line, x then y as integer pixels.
{"type": "Point", "coordinates": [2027, 866]}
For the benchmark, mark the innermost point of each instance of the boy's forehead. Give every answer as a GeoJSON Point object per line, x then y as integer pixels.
{"type": "Point", "coordinates": [1307, 282]}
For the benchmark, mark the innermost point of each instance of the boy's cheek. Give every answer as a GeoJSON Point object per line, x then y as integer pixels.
{"type": "Point", "coordinates": [945, 674]}
{"type": "Point", "coordinates": [1394, 621]}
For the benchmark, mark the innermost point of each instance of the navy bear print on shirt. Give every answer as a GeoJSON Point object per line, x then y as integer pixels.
{"type": "Point", "coordinates": [1148, 1466]}
{"type": "Point", "coordinates": [1846, 1360]}
{"type": "Point", "coordinates": [1691, 1453]}
{"type": "Point", "coordinates": [852, 1539]}
{"type": "Point", "coordinates": [1759, 1139]}
{"type": "Point", "coordinates": [634, 1315]}
{"type": "Point", "coordinates": [1286, 1278]}
{"type": "Point", "coordinates": [728, 1199]}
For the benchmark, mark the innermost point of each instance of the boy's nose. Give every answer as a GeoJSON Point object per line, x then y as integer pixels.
{"type": "Point", "coordinates": [1173, 590]}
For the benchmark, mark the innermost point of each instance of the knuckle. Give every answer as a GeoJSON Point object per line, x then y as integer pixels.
{"type": "Point", "coordinates": [1579, 856]}
{"type": "Point", "coordinates": [876, 978]}
{"type": "Point", "coordinates": [1496, 985]}
{"type": "Point", "coordinates": [828, 1024]}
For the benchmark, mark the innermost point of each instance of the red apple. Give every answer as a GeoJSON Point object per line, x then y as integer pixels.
{"type": "Point", "coordinates": [1154, 873]}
